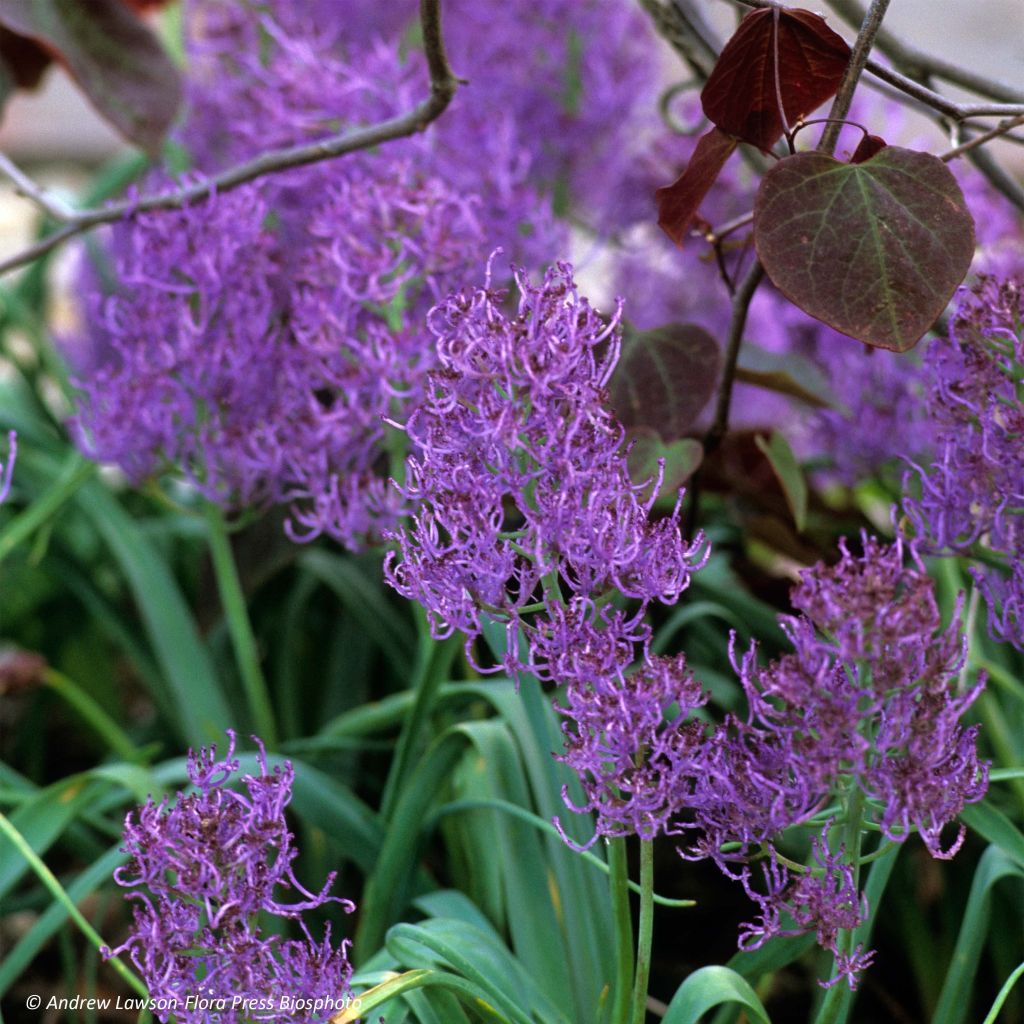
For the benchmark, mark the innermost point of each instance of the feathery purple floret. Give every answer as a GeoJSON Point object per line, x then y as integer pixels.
{"type": "Point", "coordinates": [972, 493]}
{"type": "Point", "coordinates": [199, 873]}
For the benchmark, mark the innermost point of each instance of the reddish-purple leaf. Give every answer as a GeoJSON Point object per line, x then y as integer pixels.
{"type": "Point", "coordinates": [664, 378]}
{"type": "Point", "coordinates": [116, 61]}
{"type": "Point", "coordinates": [868, 146]}
{"type": "Point", "coordinates": [874, 249]}
{"type": "Point", "coordinates": [678, 202]}
{"type": "Point", "coordinates": [23, 60]}
{"type": "Point", "coordinates": [776, 56]}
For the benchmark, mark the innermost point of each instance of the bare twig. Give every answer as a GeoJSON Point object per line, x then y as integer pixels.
{"type": "Point", "coordinates": [443, 84]}
{"type": "Point", "coordinates": [922, 65]}
{"type": "Point", "coordinates": [858, 59]}
{"type": "Point", "coordinates": [979, 140]}
{"type": "Point", "coordinates": [737, 325]}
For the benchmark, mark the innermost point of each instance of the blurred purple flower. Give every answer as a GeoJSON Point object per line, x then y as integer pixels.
{"type": "Point", "coordinates": [260, 392]}
{"type": "Point", "coordinates": [199, 874]}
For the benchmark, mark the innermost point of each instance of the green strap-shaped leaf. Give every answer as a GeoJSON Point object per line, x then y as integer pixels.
{"type": "Point", "coordinates": [990, 823]}
{"type": "Point", "coordinates": [954, 999]}
{"type": "Point", "coordinates": [786, 468]}
{"type": "Point", "coordinates": [194, 691]}
{"type": "Point", "coordinates": [55, 917]}
{"type": "Point", "coordinates": [710, 987]}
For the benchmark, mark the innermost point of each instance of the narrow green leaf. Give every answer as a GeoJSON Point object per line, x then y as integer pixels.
{"type": "Point", "coordinates": [366, 602]}
{"type": "Point", "coordinates": [990, 823]}
{"type": "Point", "coordinates": [55, 917]}
{"type": "Point", "coordinates": [1004, 992]}
{"type": "Point", "coordinates": [710, 987]}
{"type": "Point", "coordinates": [790, 475]}
{"type": "Point", "coordinates": [40, 821]}
{"type": "Point", "coordinates": [954, 999]}
{"type": "Point", "coordinates": [202, 712]}
{"type": "Point", "coordinates": [786, 374]}
{"type": "Point", "coordinates": [478, 958]}
{"type": "Point", "coordinates": [387, 888]}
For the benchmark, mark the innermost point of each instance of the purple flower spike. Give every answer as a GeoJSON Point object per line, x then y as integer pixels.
{"type": "Point", "coordinates": [200, 873]}
{"type": "Point", "coordinates": [867, 699]}
{"type": "Point", "coordinates": [973, 491]}
{"type": "Point", "coordinates": [517, 471]}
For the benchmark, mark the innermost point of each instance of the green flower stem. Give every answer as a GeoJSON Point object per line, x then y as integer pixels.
{"type": "Point", "coordinates": [645, 932]}
{"type": "Point", "coordinates": [93, 715]}
{"type": "Point", "coordinates": [47, 877]}
{"type": "Point", "coordinates": [433, 667]}
{"type": "Point", "coordinates": [618, 879]}
{"type": "Point", "coordinates": [237, 615]}
{"type": "Point", "coordinates": [836, 1004]}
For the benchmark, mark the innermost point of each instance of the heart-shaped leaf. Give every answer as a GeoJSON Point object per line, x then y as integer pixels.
{"type": "Point", "coordinates": [681, 460]}
{"type": "Point", "coordinates": [874, 249]}
{"type": "Point", "coordinates": [116, 61]}
{"type": "Point", "coordinates": [665, 377]}
{"type": "Point", "coordinates": [776, 58]}
{"type": "Point", "coordinates": [678, 202]}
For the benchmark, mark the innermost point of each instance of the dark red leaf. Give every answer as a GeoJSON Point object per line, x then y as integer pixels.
{"type": "Point", "coordinates": [664, 378]}
{"type": "Point", "coordinates": [775, 53]}
{"type": "Point", "coordinates": [116, 61]}
{"type": "Point", "coordinates": [678, 202]}
{"type": "Point", "coordinates": [867, 148]}
{"type": "Point", "coordinates": [22, 59]}
{"type": "Point", "coordinates": [874, 249]}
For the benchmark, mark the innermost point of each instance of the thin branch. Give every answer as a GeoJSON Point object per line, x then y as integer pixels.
{"type": "Point", "coordinates": [858, 59]}
{"type": "Point", "coordinates": [443, 84]}
{"type": "Point", "coordinates": [979, 140]}
{"type": "Point", "coordinates": [923, 65]}
{"type": "Point", "coordinates": [737, 325]}
{"type": "Point", "coordinates": [930, 98]}
{"type": "Point", "coordinates": [31, 190]}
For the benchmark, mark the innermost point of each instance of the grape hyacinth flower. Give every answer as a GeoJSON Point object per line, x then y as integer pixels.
{"type": "Point", "coordinates": [523, 512]}
{"type": "Point", "coordinates": [865, 711]}
{"type": "Point", "coordinates": [972, 494]}
{"type": "Point", "coordinates": [629, 740]}
{"type": "Point", "coordinates": [200, 874]}
{"type": "Point", "coordinates": [517, 475]}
